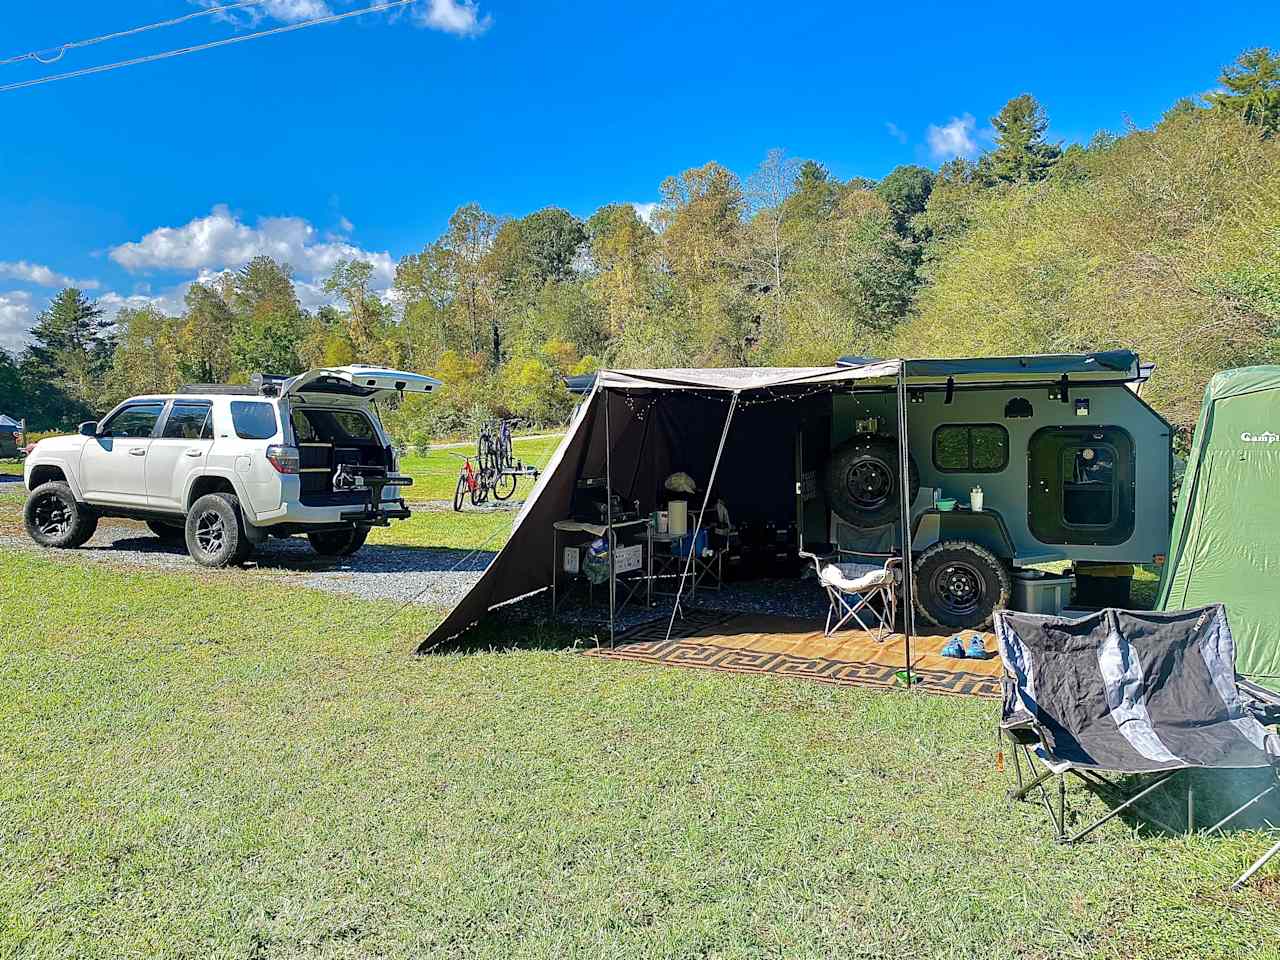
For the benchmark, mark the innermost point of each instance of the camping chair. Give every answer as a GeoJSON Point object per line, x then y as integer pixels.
{"type": "Point", "coordinates": [1126, 692]}
{"type": "Point", "coordinates": [855, 588]}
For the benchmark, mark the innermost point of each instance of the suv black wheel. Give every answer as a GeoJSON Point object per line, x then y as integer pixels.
{"type": "Point", "coordinates": [959, 584]}
{"type": "Point", "coordinates": [338, 543]}
{"type": "Point", "coordinates": [215, 531]}
{"type": "Point", "coordinates": [54, 519]}
{"type": "Point", "coordinates": [861, 481]}
{"type": "Point", "coordinates": [166, 531]}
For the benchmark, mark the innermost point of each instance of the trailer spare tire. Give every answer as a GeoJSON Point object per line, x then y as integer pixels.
{"type": "Point", "coordinates": [861, 481]}
{"type": "Point", "coordinates": [959, 584]}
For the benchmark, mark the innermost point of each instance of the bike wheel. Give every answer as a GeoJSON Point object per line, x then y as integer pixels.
{"type": "Point", "coordinates": [460, 493]}
{"type": "Point", "coordinates": [504, 486]}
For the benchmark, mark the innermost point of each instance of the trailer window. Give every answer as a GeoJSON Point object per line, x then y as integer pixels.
{"type": "Point", "coordinates": [971, 448]}
{"type": "Point", "coordinates": [1089, 485]}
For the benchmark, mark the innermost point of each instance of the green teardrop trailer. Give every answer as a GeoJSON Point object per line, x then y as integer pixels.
{"type": "Point", "coordinates": [1226, 532]}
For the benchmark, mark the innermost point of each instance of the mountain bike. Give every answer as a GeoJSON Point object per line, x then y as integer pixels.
{"type": "Point", "coordinates": [469, 485]}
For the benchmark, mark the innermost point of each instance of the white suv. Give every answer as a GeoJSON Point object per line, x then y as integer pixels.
{"type": "Point", "coordinates": [225, 467]}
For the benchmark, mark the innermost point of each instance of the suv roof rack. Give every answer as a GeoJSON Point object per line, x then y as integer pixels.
{"type": "Point", "coordinates": [259, 385]}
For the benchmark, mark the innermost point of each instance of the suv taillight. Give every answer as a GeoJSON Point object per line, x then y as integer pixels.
{"type": "Point", "coordinates": [285, 459]}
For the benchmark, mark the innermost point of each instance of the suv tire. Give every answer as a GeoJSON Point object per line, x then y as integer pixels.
{"type": "Point", "coordinates": [960, 585]}
{"type": "Point", "coordinates": [338, 543]}
{"type": "Point", "coordinates": [166, 531]}
{"type": "Point", "coordinates": [54, 519]}
{"type": "Point", "coordinates": [215, 531]}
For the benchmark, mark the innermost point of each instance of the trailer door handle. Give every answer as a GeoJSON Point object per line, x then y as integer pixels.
{"type": "Point", "coordinates": [137, 451]}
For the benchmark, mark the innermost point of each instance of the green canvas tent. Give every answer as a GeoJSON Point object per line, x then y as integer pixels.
{"type": "Point", "coordinates": [1226, 533]}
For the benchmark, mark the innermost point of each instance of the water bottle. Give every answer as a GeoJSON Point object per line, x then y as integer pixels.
{"type": "Point", "coordinates": [975, 499]}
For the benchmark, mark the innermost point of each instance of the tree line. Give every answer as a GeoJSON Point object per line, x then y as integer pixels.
{"type": "Point", "coordinates": [1165, 239]}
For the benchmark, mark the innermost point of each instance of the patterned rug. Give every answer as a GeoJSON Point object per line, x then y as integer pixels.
{"type": "Point", "coordinates": [753, 643]}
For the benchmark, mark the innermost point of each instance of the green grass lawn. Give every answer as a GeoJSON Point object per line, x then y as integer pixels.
{"type": "Point", "coordinates": [202, 764]}
{"type": "Point", "coordinates": [435, 475]}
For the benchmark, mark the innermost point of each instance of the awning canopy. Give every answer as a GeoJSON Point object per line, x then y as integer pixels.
{"type": "Point", "coordinates": [639, 449]}
{"type": "Point", "coordinates": [745, 379]}
{"type": "Point", "coordinates": [1120, 366]}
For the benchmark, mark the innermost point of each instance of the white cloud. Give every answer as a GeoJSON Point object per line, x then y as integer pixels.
{"type": "Point", "coordinates": [170, 303]}
{"type": "Point", "coordinates": [461, 17]}
{"type": "Point", "coordinates": [16, 317]}
{"type": "Point", "coordinates": [645, 211]}
{"type": "Point", "coordinates": [290, 11]}
{"type": "Point", "coordinates": [41, 275]}
{"type": "Point", "coordinates": [895, 131]}
{"type": "Point", "coordinates": [345, 225]}
{"type": "Point", "coordinates": [953, 139]}
{"type": "Point", "coordinates": [222, 241]}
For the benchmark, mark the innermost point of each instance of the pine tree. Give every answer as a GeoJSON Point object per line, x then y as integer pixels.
{"type": "Point", "coordinates": [1021, 154]}
{"type": "Point", "coordinates": [70, 346]}
{"type": "Point", "coordinates": [1253, 89]}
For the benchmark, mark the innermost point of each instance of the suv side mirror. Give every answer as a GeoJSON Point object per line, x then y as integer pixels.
{"type": "Point", "coordinates": [89, 428]}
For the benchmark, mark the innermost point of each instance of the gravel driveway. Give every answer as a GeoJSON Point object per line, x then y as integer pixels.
{"type": "Point", "coordinates": [434, 576]}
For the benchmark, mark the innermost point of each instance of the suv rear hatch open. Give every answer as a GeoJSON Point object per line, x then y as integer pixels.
{"type": "Point", "coordinates": [358, 380]}
{"type": "Point", "coordinates": [343, 460]}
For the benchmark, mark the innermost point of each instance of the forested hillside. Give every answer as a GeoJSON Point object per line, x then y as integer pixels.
{"type": "Point", "coordinates": [1166, 240]}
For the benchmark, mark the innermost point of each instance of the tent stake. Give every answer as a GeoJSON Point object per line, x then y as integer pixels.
{"type": "Point", "coordinates": [904, 486]}
{"type": "Point", "coordinates": [706, 499]}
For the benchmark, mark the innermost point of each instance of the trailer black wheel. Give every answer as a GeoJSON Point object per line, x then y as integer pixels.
{"type": "Point", "coordinates": [861, 481]}
{"type": "Point", "coordinates": [338, 543]}
{"type": "Point", "coordinates": [959, 585]}
{"type": "Point", "coordinates": [460, 493]}
{"type": "Point", "coordinates": [504, 486]}
{"type": "Point", "coordinates": [54, 519]}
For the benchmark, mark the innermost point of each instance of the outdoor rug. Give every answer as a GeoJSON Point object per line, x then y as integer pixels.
{"type": "Point", "coordinates": [781, 646]}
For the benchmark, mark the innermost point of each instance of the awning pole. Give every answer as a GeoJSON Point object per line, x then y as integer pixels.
{"type": "Point", "coordinates": [706, 499]}
{"type": "Point", "coordinates": [904, 490]}
{"type": "Point", "coordinates": [608, 512]}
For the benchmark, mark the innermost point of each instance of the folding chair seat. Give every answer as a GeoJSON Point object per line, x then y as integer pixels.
{"type": "Point", "coordinates": [1125, 692]}
{"type": "Point", "coordinates": [856, 590]}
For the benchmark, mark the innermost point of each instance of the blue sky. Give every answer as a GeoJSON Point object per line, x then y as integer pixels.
{"type": "Point", "coordinates": [361, 137]}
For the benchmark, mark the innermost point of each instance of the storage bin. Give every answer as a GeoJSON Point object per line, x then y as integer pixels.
{"type": "Point", "coordinates": [1101, 585]}
{"type": "Point", "coordinates": [1035, 591]}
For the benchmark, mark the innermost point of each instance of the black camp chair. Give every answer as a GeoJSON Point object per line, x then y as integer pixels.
{"type": "Point", "coordinates": [1126, 692]}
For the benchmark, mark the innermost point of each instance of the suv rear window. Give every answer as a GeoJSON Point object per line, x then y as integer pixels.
{"type": "Point", "coordinates": [188, 421]}
{"type": "Point", "coordinates": [254, 421]}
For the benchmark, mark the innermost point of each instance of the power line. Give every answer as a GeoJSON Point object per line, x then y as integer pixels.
{"type": "Point", "coordinates": [152, 58]}
{"type": "Point", "coordinates": [62, 48]}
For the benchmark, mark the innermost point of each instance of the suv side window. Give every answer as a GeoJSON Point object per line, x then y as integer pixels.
{"type": "Point", "coordinates": [254, 420]}
{"type": "Point", "coordinates": [133, 422]}
{"type": "Point", "coordinates": [189, 421]}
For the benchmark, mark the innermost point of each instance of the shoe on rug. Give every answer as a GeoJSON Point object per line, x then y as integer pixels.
{"type": "Point", "coordinates": [953, 648]}
{"type": "Point", "coordinates": [977, 649]}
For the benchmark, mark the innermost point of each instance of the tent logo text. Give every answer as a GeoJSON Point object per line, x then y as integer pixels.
{"type": "Point", "coordinates": [1267, 437]}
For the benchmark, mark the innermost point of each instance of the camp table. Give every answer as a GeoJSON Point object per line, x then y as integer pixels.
{"type": "Point", "coordinates": [571, 527]}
